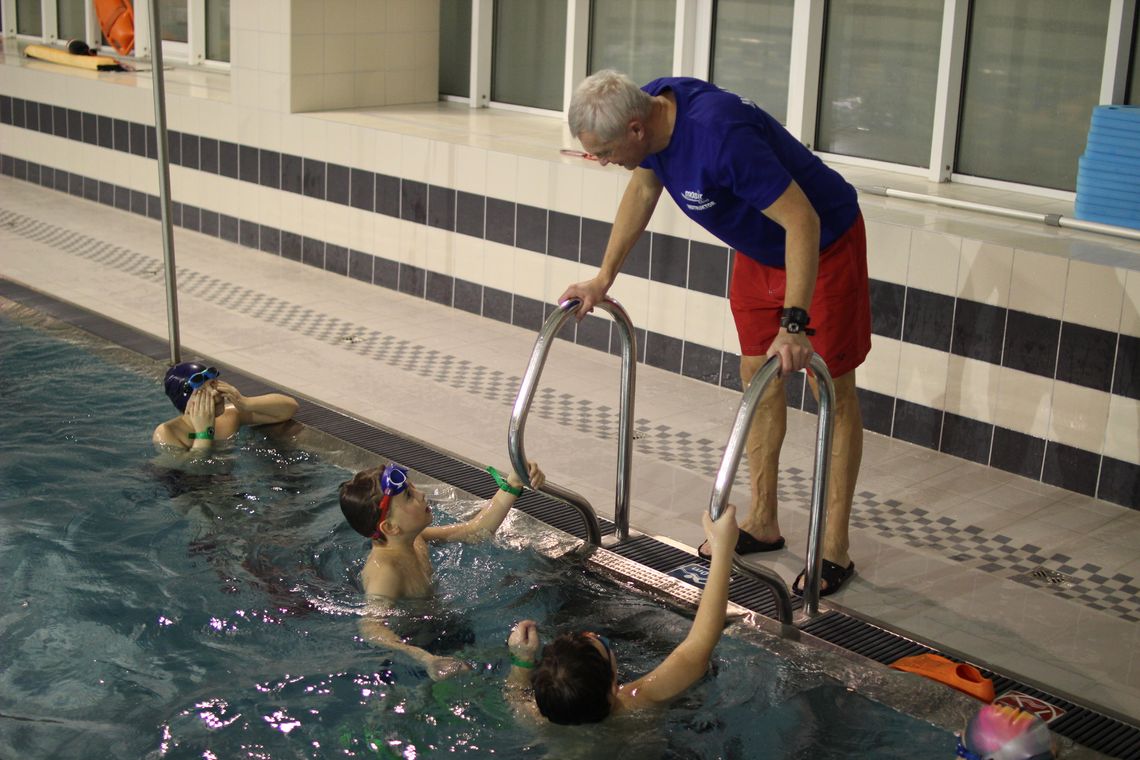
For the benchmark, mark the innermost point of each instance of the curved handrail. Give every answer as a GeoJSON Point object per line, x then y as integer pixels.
{"type": "Point", "coordinates": [735, 446]}
{"type": "Point", "coordinates": [768, 577]}
{"type": "Point", "coordinates": [529, 384]}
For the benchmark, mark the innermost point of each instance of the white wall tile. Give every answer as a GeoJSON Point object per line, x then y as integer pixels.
{"type": "Point", "coordinates": [338, 91]}
{"type": "Point", "coordinates": [704, 319]}
{"type": "Point", "coordinates": [1038, 283]}
{"type": "Point", "coordinates": [880, 372]}
{"type": "Point", "coordinates": [389, 153]}
{"type": "Point", "coordinates": [498, 265]}
{"type": "Point", "coordinates": [413, 244]}
{"type": "Point", "coordinates": [530, 274]}
{"type": "Point", "coordinates": [414, 158]}
{"type": "Point", "coordinates": [307, 54]}
{"type": "Point", "coordinates": [601, 192]}
{"type": "Point", "coordinates": [502, 173]}
{"type": "Point", "coordinates": [338, 224]}
{"type": "Point", "coordinates": [273, 52]}
{"type": "Point", "coordinates": [468, 260]}
{"type": "Point", "coordinates": [1024, 402]}
{"type": "Point", "coordinates": [534, 182]}
{"type": "Point", "coordinates": [922, 375]}
{"type": "Point", "coordinates": [369, 88]}
{"type": "Point", "coordinates": [469, 172]}
{"type": "Point", "coordinates": [1122, 434]}
{"type": "Point", "coordinates": [984, 272]}
{"type": "Point", "coordinates": [559, 273]}
{"type": "Point", "coordinates": [1130, 309]}
{"type": "Point", "coordinates": [1080, 416]}
{"type": "Point", "coordinates": [888, 251]}
{"type": "Point", "coordinates": [633, 294]}
{"type": "Point", "coordinates": [1094, 295]}
{"type": "Point", "coordinates": [666, 313]}
{"type": "Point", "coordinates": [934, 260]}
{"type": "Point", "coordinates": [971, 388]}
{"type": "Point", "coordinates": [440, 250]}
{"type": "Point", "coordinates": [340, 54]}
{"type": "Point", "coordinates": [440, 164]}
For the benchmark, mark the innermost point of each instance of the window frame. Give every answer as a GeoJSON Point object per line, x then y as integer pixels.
{"type": "Point", "coordinates": [190, 53]}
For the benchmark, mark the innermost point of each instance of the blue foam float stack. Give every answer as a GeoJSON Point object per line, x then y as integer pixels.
{"type": "Point", "coordinates": [1108, 175]}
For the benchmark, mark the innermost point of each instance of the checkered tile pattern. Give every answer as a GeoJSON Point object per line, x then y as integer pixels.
{"type": "Point", "coordinates": [911, 525]}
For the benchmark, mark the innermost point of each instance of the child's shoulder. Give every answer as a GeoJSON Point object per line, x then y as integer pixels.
{"type": "Point", "coordinates": [381, 577]}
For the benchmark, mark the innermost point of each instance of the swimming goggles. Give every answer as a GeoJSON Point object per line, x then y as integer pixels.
{"type": "Point", "coordinates": [970, 755]}
{"type": "Point", "coordinates": [393, 481]}
{"type": "Point", "coordinates": [198, 379]}
{"type": "Point", "coordinates": [605, 644]}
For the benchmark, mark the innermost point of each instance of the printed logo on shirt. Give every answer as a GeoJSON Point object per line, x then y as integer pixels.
{"type": "Point", "coordinates": [696, 201]}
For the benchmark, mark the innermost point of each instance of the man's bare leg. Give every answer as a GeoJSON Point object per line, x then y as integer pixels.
{"type": "Point", "coordinates": [846, 457]}
{"type": "Point", "coordinates": [762, 447]}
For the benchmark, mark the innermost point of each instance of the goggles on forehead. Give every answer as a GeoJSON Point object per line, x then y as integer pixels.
{"type": "Point", "coordinates": [393, 481]}
{"type": "Point", "coordinates": [198, 379]}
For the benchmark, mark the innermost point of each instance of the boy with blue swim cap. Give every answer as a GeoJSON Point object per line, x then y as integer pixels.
{"type": "Point", "coordinates": [383, 505]}
{"type": "Point", "coordinates": [212, 409]}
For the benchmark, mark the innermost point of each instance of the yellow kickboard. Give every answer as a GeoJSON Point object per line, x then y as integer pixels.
{"type": "Point", "coordinates": [56, 55]}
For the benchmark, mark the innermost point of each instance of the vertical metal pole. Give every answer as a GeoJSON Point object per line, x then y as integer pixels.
{"type": "Point", "coordinates": [164, 182]}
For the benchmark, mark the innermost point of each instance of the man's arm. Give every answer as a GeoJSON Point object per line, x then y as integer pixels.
{"type": "Point", "coordinates": [259, 410]}
{"type": "Point", "coordinates": [794, 212]}
{"type": "Point", "coordinates": [483, 525]}
{"type": "Point", "coordinates": [633, 215]}
{"type": "Point", "coordinates": [689, 661]}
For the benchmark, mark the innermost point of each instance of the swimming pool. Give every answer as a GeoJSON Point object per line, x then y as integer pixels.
{"type": "Point", "coordinates": [153, 613]}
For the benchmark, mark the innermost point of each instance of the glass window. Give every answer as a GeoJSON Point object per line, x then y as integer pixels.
{"type": "Point", "coordinates": [71, 20]}
{"type": "Point", "coordinates": [29, 18]}
{"type": "Point", "coordinates": [752, 51]}
{"type": "Point", "coordinates": [218, 30]}
{"type": "Point", "coordinates": [1133, 97]}
{"type": "Point", "coordinates": [633, 36]}
{"type": "Point", "coordinates": [455, 47]}
{"type": "Point", "coordinates": [172, 14]}
{"type": "Point", "coordinates": [1032, 78]}
{"type": "Point", "coordinates": [880, 75]}
{"type": "Point", "coordinates": [529, 53]}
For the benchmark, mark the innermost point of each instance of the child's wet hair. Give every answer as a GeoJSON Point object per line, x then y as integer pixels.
{"type": "Point", "coordinates": [360, 502]}
{"type": "Point", "coordinates": [572, 681]}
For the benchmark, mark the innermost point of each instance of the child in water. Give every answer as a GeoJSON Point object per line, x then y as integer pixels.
{"type": "Point", "coordinates": [381, 504]}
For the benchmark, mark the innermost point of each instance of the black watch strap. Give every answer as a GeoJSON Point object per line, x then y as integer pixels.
{"type": "Point", "coordinates": [796, 320]}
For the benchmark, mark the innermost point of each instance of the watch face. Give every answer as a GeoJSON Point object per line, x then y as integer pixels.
{"type": "Point", "coordinates": [793, 327]}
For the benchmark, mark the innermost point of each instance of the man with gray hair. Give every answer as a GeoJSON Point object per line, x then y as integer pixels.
{"type": "Point", "coordinates": [800, 246]}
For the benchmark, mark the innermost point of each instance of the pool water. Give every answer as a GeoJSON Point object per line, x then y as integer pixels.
{"type": "Point", "coordinates": [147, 612]}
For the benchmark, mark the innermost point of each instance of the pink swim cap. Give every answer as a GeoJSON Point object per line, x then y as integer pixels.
{"type": "Point", "coordinates": [998, 732]}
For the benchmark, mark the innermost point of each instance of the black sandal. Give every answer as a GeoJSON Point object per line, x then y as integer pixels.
{"type": "Point", "coordinates": [834, 575]}
{"type": "Point", "coordinates": [746, 543]}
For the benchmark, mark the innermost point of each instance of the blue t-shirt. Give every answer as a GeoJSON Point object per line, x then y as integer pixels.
{"type": "Point", "coordinates": [728, 160]}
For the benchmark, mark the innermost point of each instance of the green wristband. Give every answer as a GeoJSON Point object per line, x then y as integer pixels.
{"type": "Point", "coordinates": [207, 434]}
{"type": "Point", "coordinates": [503, 484]}
{"type": "Point", "coordinates": [521, 663]}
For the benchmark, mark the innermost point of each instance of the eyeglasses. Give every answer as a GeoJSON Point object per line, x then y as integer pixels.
{"type": "Point", "coordinates": [198, 379]}
{"type": "Point", "coordinates": [393, 481]}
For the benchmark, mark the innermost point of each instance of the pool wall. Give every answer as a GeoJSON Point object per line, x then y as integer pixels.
{"type": "Point", "coordinates": [1016, 350]}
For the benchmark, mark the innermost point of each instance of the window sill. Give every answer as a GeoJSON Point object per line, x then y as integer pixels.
{"type": "Point", "coordinates": [178, 80]}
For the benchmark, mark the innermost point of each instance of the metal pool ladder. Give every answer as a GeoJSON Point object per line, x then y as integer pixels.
{"type": "Point", "coordinates": [550, 328]}
{"type": "Point", "coordinates": [731, 460]}
{"type": "Point", "coordinates": [521, 409]}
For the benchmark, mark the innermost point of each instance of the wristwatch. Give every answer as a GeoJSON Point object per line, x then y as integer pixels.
{"type": "Point", "coordinates": [795, 320]}
{"type": "Point", "coordinates": [207, 434]}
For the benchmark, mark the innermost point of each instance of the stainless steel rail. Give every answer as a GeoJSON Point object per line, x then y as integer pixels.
{"type": "Point", "coordinates": [529, 384]}
{"type": "Point", "coordinates": [731, 460]}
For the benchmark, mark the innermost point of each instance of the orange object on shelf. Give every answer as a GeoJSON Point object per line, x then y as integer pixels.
{"type": "Point", "coordinates": [965, 678]}
{"type": "Point", "coordinates": [117, 20]}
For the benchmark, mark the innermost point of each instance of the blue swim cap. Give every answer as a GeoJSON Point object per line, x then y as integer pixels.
{"type": "Point", "coordinates": [182, 379]}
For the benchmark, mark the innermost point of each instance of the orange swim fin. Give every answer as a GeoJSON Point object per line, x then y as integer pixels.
{"type": "Point", "coordinates": [965, 678]}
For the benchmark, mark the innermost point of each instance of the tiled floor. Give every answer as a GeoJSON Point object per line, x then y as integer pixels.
{"type": "Point", "coordinates": [945, 549]}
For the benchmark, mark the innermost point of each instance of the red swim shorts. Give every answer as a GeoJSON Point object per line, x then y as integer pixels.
{"type": "Point", "coordinates": [840, 307]}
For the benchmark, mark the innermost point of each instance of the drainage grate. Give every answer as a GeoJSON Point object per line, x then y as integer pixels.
{"type": "Point", "coordinates": [1043, 576]}
{"type": "Point", "coordinates": [1087, 727]}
